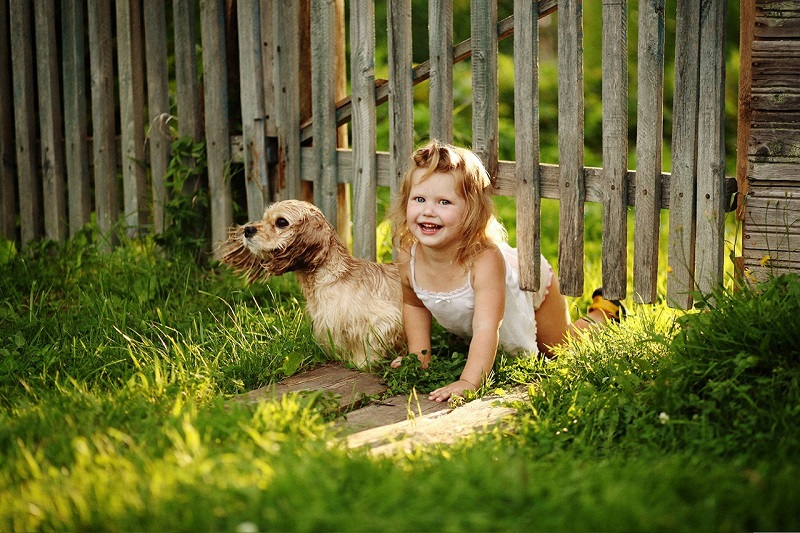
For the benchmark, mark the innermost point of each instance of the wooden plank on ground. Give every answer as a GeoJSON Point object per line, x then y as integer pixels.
{"type": "Point", "coordinates": [570, 147]}
{"type": "Point", "coordinates": [392, 410]}
{"type": "Point", "coordinates": [440, 427]}
{"type": "Point", "coordinates": [349, 385]}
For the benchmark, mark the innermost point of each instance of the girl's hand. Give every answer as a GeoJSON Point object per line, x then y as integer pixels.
{"type": "Point", "coordinates": [457, 388]}
{"type": "Point", "coordinates": [425, 359]}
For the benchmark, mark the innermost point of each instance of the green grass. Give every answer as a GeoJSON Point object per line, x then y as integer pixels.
{"type": "Point", "coordinates": [116, 373]}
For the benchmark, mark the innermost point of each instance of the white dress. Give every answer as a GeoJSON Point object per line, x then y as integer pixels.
{"type": "Point", "coordinates": [454, 310]}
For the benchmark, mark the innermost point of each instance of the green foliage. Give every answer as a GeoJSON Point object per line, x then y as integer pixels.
{"type": "Point", "coordinates": [186, 206]}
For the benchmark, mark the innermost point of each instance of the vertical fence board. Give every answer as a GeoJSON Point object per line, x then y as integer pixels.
{"type": "Point", "coordinates": [268, 67]}
{"type": "Point", "coordinates": [485, 142]}
{"type": "Point", "coordinates": [131, 105]}
{"type": "Point", "coordinates": [570, 146]}
{"type": "Point", "coordinates": [75, 126]}
{"type": "Point", "coordinates": [287, 97]}
{"type": "Point", "coordinates": [680, 258]}
{"type": "Point", "coordinates": [50, 123]}
{"type": "Point", "coordinates": [101, 61]}
{"type": "Point", "coordinates": [252, 81]}
{"type": "Point", "coordinates": [186, 69]}
{"type": "Point", "coordinates": [440, 44]}
{"type": "Point", "coordinates": [22, 60]}
{"type": "Point", "coordinates": [649, 131]}
{"type": "Point", "coordinates": [323, 106]}
{"type": "Point", "coordinates": [8, 194]}
{"type": "Point", "coordinates": [526, 126]}
{"type": "Point", "coordinates": [401, 96]}
{"type": "Point", "coordinates": [710, 232]}
{"type": "Point", "coordinates": [155, 30]}
{"type": "Point", "coordinates": [362, 81]}
{"type": "Point", "coordinates": [615, 148]}
{"type": "Point", "coordinates": [215, 83]}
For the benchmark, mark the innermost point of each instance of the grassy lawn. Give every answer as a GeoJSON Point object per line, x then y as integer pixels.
{"type": "Point", "coordinates": [116, 373]}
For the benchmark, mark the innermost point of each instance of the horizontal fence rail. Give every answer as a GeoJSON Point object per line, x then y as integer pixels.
{"type": "Point", "coordinates": [99, 90]}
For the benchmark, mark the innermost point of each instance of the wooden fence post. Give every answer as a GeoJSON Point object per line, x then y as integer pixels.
{"type": "Point", "coordinates": [571, 189]}
{"type": "Point", "coordinates": [131, 91]}
{"type": "Point", "coordinates": [526, 125]}
{"type": "Point", "coordinates": [615, 148]}
{"type": "Point", "coordinates": [8, 190]}
{"type": "Point", "coordinates": [440, 44]}
{"type": "Point", "coordinates": [401, 96]}
{"type": "Point", "coordinates": [155, 30]}
{"type": "Point", "coordinates": [30, 196]}
{"type": "Point", "coordinates": [485, 142]}
{"type": "Point", "coordinates": [362, 79]}
{"type": "Point", "coordinates": [215, 85]}
{"type": "Point", "coordinates": [286, 75]}
{"type": "Point", "coordinates": [75, 123]}
{"type": "Point", "coordinates": [101, 45]}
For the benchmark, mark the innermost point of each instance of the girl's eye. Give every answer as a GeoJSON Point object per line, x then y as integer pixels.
{"type": "Point", "coordinates": [419, 199]}
{"type": "Point", "coordinates": [444, 202]}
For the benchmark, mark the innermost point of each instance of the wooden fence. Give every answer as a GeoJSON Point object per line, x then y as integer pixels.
{"type": "Point", "coordinates": [91, 95]}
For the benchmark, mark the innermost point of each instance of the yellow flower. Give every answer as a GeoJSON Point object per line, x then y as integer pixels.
{"type": "Point", "coordinates": [764, 260]}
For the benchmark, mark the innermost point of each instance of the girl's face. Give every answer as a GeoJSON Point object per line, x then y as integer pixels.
{"type": "Point", "coordinates": [435, 211]}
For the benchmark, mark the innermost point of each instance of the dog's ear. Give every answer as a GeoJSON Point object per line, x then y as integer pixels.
{"type": "Point", "coordinates": [236, 256]}
{"type": "Point", "coordinates": [309, 246]}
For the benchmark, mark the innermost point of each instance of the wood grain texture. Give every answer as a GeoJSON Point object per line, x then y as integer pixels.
{"type": "Point", "coordinates": [401, 96]}
{"type": "Point", "coordinates": [8, 176]}
{"type": "Point", "coordinates": [485, 140]}
{"type": "Point", "coordinates": [440, 92]}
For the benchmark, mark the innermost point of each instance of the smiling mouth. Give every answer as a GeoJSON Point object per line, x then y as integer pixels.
{"type": "Point", "coordinates": [429, 229]}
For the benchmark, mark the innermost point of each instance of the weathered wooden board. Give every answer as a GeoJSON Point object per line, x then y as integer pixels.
{"type": "Point", "coordinates": [440, 427]}
{"type": "Point", "coordinates": [394, 410]}
{"type": "Point", "coordinates": [350, 385]}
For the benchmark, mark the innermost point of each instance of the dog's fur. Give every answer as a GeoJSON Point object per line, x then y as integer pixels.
{"type": "Point", "coordinates": [353, 304]}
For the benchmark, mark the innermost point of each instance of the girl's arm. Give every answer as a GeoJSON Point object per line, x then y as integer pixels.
{"type": "Point", "coordinates": [488, 281]}
{"type": "Point", "coordinates": [416, 317]}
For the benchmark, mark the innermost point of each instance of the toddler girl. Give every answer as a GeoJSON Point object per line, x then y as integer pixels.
{"type": "Point", "coordinates": [456, 266]}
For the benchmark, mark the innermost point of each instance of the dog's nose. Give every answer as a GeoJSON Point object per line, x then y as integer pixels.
{"type": "Point", "coordinates": [249, 231]}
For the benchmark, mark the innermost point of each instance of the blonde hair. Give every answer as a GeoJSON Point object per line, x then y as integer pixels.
{"type": "Point", "coordinates": [480, 226]}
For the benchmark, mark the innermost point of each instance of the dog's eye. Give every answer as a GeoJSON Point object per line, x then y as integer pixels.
{"type": "Point", "coordinates": [282, 222]}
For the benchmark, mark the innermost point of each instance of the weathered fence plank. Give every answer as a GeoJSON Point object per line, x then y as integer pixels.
{"type": "Point", "coordinates": [155, 30]}
{"type": "Point", "coordinates": [287, 96]}
{"type": "Point", "coordinates": [570, 147]}
{"type": "Point", "coordinates": [440, 45]}
{"type": "Point", "coordinates": [401, 96]}
{"type": "Point", "coordinates": [131, 95]}
{"type": "Point", "coordinates": [252, 91]}
{"type": "Point", "coordinates": [485, 141]}
{"type": "Point", "coordinates": [8, 194]}
{"type": "Point", "coordinates": [101, 44]}
{"type": "Point", "coordinates": [680, 258]}
{"type": "Point", "coordinates": [615, 148]}
{"type": "Point", "coordinates": [649, 131]}
{"type": "Point", "coordinates": [323, 105]}
{"type": "Point", "coordinates": [215, 85]}
{"type": "Point", "coordinates": [710, 212]}
{"type": "Point", "coordinates": [23, 65]}
{"type": "Point", "coordinates": [50, 123]}
{"type": "Point", "coordinates": [79, 204]}
{"type": "Point", "coordinates": [526, 126]}
{"type": "Point", "coordinates": [362, 81]}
